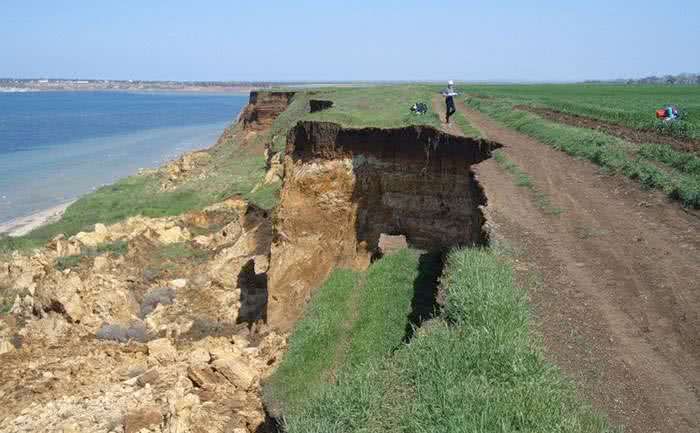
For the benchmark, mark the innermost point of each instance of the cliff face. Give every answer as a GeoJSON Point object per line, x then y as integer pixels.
{"type": "Point", "coordinates": [345, 187]}
{"type": "Point", "coordinates": [263, 108]}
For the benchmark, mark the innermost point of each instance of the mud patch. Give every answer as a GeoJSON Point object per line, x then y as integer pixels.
{"type": "Point", "coordinates": [629, 134]}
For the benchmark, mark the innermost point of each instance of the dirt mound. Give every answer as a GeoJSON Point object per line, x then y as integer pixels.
{"type": "Point", "coordinates": [630, 134]}
{"type": "Point", "coordinates": [345, 187]}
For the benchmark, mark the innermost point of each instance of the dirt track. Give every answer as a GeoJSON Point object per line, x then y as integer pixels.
{"type": "Point", "coordinates": [612, 279]}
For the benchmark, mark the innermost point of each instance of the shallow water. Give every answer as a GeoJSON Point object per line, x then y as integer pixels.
{"type": "Point", "coordinates": [57, 146]}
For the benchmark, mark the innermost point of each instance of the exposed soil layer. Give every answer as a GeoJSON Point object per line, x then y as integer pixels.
{"type": "Point", "coordinates": [345, 187]}
{"type": "Point", "coordinates": [630, 134]}
{"type": "Point", "coordinates": [263, 108]}
{"type": "Point", "coordinates": [613, 281]}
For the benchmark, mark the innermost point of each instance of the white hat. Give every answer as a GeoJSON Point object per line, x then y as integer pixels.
{"type": "Point", "coordinates": [450, 83]}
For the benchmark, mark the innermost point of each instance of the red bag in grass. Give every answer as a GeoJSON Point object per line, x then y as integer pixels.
{"type": "Point", "coordinates": [661, 113]}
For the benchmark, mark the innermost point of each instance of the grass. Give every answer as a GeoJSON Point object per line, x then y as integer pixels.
{"type": "Point", "coordinates": [117, 248]}
{"type": "Point", "coordinates": [5, 305]}
{"type": "Point", "coordinates": [68, 262]}
{"type": "Point", "coordinates": [523, 180]}
{"type": "Point", "coordinates": [311, 353]}
{"type": "Point", "coordinates": [377, 106]}
{"type": "Point", "coordinates": [611, 153]}
{"type": "Point", "coordinates": [181, 250]}
{"type": "Point", "coordinates": [628, 105]}
{"type": "Point", "coordinates": [474, 369]}
{"type": "Point", "coordinates": [464, 124]}
{"type": "Point", "coordinates": [351, 319]}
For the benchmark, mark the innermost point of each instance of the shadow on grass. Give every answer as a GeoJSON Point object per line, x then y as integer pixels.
{"type": "Point", "coordinates": [424, 305]}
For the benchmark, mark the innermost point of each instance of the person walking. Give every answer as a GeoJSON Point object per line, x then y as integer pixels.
{"type": "Point", "coordinates": [449, 93]}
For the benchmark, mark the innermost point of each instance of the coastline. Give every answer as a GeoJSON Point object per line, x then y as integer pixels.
{"type": "Point", "coordinates": [22, 225]}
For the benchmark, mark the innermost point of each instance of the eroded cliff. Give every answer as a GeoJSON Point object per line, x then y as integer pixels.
{"type": "Point", "coordinates": [344, 187]}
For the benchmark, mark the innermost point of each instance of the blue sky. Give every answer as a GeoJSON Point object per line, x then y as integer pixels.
{"type": "Point", "coordinates": [351, 40]}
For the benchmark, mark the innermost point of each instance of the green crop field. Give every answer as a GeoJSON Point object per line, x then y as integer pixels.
{"type": "Point", "coordinates": [654, 165]}
{"type": "Point", "coordinates": [632, 106]}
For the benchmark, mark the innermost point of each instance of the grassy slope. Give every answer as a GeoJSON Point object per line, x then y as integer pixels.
{"type": "Point", "coordinates": [631, 106]}
{"type": "Point", "coordinates": [654, 165]}
{"type": "Point", "coordinates": [352, 319]}
{"type": "Point", "coordinates": [474, 369]}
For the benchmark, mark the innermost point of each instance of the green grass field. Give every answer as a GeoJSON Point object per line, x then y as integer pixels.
{"type": "Point", "coordinates": [475, 368]}
{"type": "Point", "coordinates": [378, 106]}
{"type": "Point", "coordinates": [632, 106]}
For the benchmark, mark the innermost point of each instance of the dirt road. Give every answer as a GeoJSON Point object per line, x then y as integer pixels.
{"type": "Point", "coordinates": [613, 280]}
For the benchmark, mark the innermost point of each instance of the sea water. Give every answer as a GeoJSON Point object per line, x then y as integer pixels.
{"type": "Point", "coordinates": [56, 146]}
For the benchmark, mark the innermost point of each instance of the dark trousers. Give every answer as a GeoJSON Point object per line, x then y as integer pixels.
{"type": "Point", "coordinates": [450, 108]}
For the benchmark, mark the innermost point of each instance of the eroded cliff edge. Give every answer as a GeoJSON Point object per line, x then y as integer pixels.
{"type": "Point", "coordinates": [343, 187]}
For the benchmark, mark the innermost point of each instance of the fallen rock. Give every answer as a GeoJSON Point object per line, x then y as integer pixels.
{"type": "Point", "coordinates": [203, 376]}
{"type": "Point", "coordinates": [173, 235]}
{"type": "Point", "coordinates": [199, 356]}
{"type": "Point", "coordinates": [161, 351]}
{"type": "Point", "coordinates": [101, 263]}
{"type": "Point", "coordinates": [6, 346]}
{"type": "Point", "coordinates": [91, 239]}
{"type": "Point", "coordinates": [237, 371]}
{"type": "Point", "coordinates": [179, 283]}
{"type": "Point", "coordinates": [142, 418]}
{"type": "Point", "coordinates": [61, 294]}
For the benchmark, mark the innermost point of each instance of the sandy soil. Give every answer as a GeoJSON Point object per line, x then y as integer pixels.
{"type": "Point", "coordinates": [23, 225]}
{"type": "Point", "coordinates": [612, 280]}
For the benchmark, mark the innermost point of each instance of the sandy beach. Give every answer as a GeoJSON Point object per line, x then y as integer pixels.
{"type": "Point", "coordinates": [23, 225]}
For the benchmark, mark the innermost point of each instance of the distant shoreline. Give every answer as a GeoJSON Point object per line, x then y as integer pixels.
{"type": "Point", "coordinates": [240, 91]}
{"type": "Point", "coordinates": [22, 225]}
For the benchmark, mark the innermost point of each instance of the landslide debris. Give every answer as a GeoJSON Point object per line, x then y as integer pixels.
{"type": "Point", "coordinates": [151, 339]}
